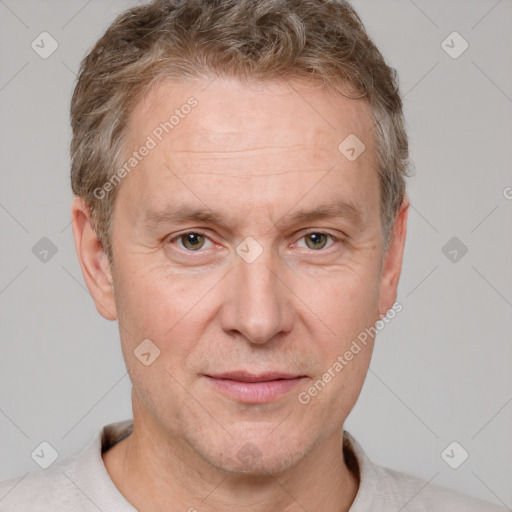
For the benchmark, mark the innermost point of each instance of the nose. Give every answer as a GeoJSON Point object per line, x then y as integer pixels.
{"type": "Point", "coordinates": [258, 305]}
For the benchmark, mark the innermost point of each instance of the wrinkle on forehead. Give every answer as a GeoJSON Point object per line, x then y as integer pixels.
{"type": "Point", "coordinates": [253, 136]}
{"type": "Point", "coordinates": [257, 162]}
{"type": "Point", "coordinates": [246, 174]}
{"type": "Point", "coordinates": [255, 149]}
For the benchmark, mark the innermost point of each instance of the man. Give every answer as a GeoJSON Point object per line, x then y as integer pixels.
{"type": "Point", "coordinates": [241, 212]}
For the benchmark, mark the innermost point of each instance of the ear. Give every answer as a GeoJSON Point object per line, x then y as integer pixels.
{"type": "Point", "coordinates": [93, 260]}
{"type": "Point", "coordinates": [392, 260]}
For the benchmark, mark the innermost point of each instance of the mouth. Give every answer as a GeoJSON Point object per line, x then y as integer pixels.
{"type": "Point", "coordinates": [251, 388]}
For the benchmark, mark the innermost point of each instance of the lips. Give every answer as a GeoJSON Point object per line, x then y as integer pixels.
{"type": "Point", "coordinates": [242, 376]}
{"type": "Point", "coordinates": [253, 388]}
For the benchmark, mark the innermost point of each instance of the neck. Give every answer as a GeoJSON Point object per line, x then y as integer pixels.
{"type": "Point", "coordinates": [153, 470]}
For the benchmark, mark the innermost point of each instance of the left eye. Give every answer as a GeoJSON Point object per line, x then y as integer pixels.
{"type": "Point", "coordinates": [192, 241]}
{"type": "Point", "coordinates": [316, 240]}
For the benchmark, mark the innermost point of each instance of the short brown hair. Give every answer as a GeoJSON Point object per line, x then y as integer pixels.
{"type": "Point", "coordinates": [318, 42]}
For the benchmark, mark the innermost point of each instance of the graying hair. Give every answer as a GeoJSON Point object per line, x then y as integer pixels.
{"type": "Point", "coordinates": [318, 42]}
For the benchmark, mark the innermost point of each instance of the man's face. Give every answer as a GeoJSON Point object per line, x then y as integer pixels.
{"type": "Point", "coordinates": [289, 299]}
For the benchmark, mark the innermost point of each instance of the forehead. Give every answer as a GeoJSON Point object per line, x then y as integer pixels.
{"type": "Point", "coordinates": [257, 142]}
{"type": "Point", "coordinates": [230, 113]}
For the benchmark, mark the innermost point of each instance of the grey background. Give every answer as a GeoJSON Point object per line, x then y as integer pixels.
{"type": "Point", "coordinates": [441, 370]}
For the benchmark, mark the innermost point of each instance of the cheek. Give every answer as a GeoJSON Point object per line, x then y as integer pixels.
{"type": "Point", "coordinates": [160, 305]}
{"type": "Point", "coordinates": [356, 305]}
{"type": "Point", "coordinates": [153, 306]}
{"type": "Point", "coordinates": [144, 309]}
{"type": "Point", "coordinates": [143, 304]}
{"type": "Point", "coordinates": [345, 301]}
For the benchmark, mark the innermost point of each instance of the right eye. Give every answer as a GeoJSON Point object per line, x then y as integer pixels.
{"type": "Point", "coordinates": [191, 240]}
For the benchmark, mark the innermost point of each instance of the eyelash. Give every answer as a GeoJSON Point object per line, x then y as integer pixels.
{"type": "Point", "coordinates": [334, 239]}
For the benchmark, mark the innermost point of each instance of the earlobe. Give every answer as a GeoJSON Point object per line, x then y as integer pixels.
{"type": "Point", "coordinates": [392, 263]}
{"type": "Point", "coordinates": [93, 260]}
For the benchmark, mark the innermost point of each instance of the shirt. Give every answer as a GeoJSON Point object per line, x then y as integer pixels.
{"type": "Point", "coordinates": [81, 483]}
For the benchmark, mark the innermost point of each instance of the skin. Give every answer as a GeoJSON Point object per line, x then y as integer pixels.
{"type": "Point", "coordinates": [256, 154]}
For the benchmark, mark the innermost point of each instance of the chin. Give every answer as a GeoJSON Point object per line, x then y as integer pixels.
{"type": "Point", "coordinates": [255, 455]}
{"type": "Point", "coordinates": [267, 465]}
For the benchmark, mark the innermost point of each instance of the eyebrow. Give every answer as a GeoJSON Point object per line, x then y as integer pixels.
{"type": "Point", "coordinates": [177, 214]}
